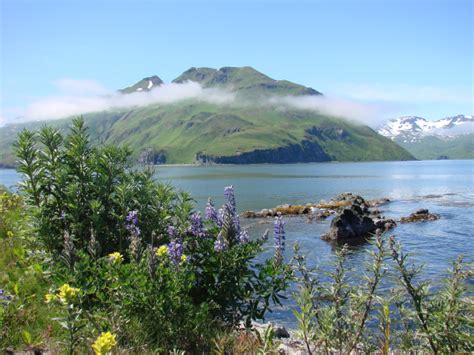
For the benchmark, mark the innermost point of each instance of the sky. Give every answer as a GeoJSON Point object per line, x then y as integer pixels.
{"type": "Point", "coordinates": [410, 57]}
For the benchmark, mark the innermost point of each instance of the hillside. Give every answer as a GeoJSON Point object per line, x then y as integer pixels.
{"type": "Point", "coordinates": [447, 138]}
{"type": "Point", "coordinates": [190, 130]}
{"type": "Point", "coordinates": [433, 147]}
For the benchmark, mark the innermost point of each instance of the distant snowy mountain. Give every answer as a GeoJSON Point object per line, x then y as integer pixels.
{"type": "Point", "coordinates": [413, 128]}
{"type": "Point", "coordinates": [447, 138]}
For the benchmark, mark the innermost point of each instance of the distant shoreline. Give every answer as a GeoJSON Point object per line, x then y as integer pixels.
{"type": "Point", "coordinates": [178, 165]}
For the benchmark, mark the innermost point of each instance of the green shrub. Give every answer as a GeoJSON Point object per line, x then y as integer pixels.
{"type": "Point", "coordinates": [25, 321]}
{"type": "Point", "coordinates": [85, 191]}
{"type": "Point", "coordinates": [148, 268]}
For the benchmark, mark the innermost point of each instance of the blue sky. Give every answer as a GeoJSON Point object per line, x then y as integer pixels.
{"type": "Point", "coordinates": [411, 56]}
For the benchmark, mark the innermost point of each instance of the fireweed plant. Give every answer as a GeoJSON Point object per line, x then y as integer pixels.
{"type": "Point", "coordinates": [151, 270]}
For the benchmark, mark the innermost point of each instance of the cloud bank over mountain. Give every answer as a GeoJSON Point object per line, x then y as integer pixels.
{"type": "Point", "coordinates": [67, 104]}
{"type": "Point", "coordinates": [77, 97]}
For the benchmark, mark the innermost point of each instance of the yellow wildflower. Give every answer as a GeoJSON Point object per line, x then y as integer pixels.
{"type": "Point", "coordinates": [104, 343]}
{"type": "Point", "coordinates": [115, 258]}
{"type": "Point", "coordinates": [183, 258]}
{"type": "Point", "coordinates": [67, 294]}
{"type": "Point", "coordinates": [50, 297]}
{"type": "Point", "coordinates": [162, 251]}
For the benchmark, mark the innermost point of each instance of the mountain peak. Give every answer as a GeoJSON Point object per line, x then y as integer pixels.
{"type": "Point", "coordinates": [246, 80]}
{"type": "Point", "coordinates": [146, 84]}
{"type": "Point", "coordinates": [412, 128]}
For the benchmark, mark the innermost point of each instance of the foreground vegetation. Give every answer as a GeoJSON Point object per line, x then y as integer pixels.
{"type": "Point", "coordinates": [97, 257]}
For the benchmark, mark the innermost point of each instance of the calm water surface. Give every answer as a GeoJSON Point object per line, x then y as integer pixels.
{"type": "Point", "coordinates": [444, 187]}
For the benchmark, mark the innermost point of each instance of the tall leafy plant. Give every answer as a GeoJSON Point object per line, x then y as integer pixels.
{"type": "Point", "coordinates": [88, 190]}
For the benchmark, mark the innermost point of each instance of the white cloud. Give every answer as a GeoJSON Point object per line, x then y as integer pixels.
{"type": "Point", "coordinates": [61, 106]}
{"type": "Point", "coordinates": [370, 114]}
{"type": "Point", "coordinates": [77, 97]}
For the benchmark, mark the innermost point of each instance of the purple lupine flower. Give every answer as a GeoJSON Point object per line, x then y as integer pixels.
{"type": "Point", "coordinates": [219, 244]}
{"type": "Point", "coordinates": [197, 228]}
{"type": "Point", "coordinates": [134, 230]}
{"type": "Point", "coordinates": [211, 213]}
{"type": "Point", "coordinates": [132, 223]}
{"type": "Point", "coordinates": [220, 217]}
{"type": "Point", "coordinates": [175, 250]}
{"type": "Point", "coordinates": [132, 217]}
{"type": "Point", "coordinates": [4, 298]}
{"type": "Point", "coordinates": [244, 236]}
{"type": "Point", "coordinates": [230, 195]}
{"type": "Point", "coordinates": [172, 232]}
{"type": "Point", "coordinates": [279, 237]}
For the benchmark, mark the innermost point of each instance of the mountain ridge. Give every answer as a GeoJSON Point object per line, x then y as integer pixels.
{"type": "Point", "coordinates": [415, 126]}
{"type": "Point", "coordinates": [450, 137]}
{"type": "Point", "coordinates": [197, 131]}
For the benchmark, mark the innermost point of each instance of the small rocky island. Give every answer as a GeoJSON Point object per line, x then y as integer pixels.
{"type": "Point", "coordinates": [357, 219]}
{"type": "Point", "coordinates": [354, 218]}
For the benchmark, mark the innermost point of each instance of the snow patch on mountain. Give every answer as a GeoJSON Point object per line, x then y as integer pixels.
{"type": "Point", "coordinates": [412, 128]}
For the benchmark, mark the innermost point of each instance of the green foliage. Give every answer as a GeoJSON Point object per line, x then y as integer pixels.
{"type": "Point", "coordinates": [107, 228]}
{"type": "Point", "coordinates": [25, 321]}
{"type": "Point", "coordinates": [442, 320]}
{"type": "Point", "coordinates": [151, 300]}
{"type": "Point", "coordinates": [87, 191]}
{"type": "Point", "coordinates": [333, 316]}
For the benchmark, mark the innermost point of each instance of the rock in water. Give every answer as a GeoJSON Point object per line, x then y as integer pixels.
{"type": "Point", "coordinates": [419, 216]}
{"type": "Point", "coordinates": [356, 221]}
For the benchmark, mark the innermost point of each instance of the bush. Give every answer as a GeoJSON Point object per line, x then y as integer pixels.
{"type": "Point", "coordinates": [147, 267]}
{"type": "Point", "coordinates": [24, 320]}
{"type": "Point", "coordinates": [87, 191]}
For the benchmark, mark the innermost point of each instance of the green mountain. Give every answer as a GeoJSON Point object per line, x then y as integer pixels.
{"type": "Point", "coordinates": [248, 130]}
{"type": "Point", "coordinates": [246, 81]}
{"type": "Point", "coordinates": [433, 147]}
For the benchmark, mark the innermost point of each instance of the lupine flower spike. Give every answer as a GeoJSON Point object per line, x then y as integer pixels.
{"type": "Point", "coordinates": [279, 237]}
{"type": "Point", "coordinates": [197, 229]}
{"type": "Point", "coordinates": [211, 213]}
{"type": "Point", "coordinates": [132, 227]}
{"type": "Point", "coordinates": [219, 244]}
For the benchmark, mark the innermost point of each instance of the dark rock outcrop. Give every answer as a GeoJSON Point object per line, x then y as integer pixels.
{"type": "Point", "coordinates": [305, 152]}
{"type": "Point", "coordinates": [151, 157]}
{"type": "Point", "coordinates": [356, 220]}
{"type": "Point", "coordinates": [420, 216]}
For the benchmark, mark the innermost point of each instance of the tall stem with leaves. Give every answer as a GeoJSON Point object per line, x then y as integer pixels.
{"type": "Point", "coordinates": [417, 293]}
